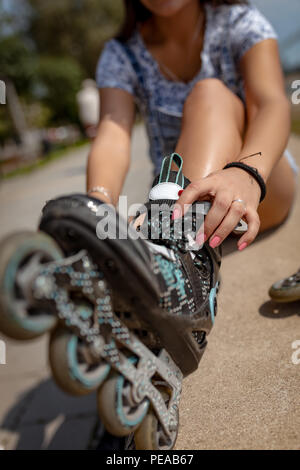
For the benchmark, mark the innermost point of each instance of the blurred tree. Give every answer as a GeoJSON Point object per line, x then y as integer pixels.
{"type": "Point", "coordinates": [6, 126]}
{"type": "Point", "coordinates": [46, 49]}
{"type": "Point", "coordinates": [59, 79]}
{"type": "Point", "coordinates": [17, 62]}
{"type": "Point", "coordinates": [17, 70]}
{"type": "Point", "coordinates": [74, 28]}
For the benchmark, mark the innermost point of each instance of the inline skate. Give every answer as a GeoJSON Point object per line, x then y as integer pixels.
{"type": "Point", "coordinates": [127, 310]}
{"type": "Point", "coordinates": [286, 290]}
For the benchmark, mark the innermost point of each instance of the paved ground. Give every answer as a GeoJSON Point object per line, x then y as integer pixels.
{"type": "Point", "coordinates": [245, 395]}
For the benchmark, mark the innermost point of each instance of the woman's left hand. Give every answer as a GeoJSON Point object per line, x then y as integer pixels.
{"type": "Point", "coordinates": [224, 188]}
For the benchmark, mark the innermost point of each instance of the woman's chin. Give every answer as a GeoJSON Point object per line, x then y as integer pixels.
{"type": "Point", "coordinates": [165, 8]}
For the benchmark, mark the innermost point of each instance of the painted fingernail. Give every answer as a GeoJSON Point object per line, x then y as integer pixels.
{"type": "Point", "coordinates": [215, 242]}
{"type": "Point", "coordinates": [243, 246]}
{"type": "Point", "coordinates": [176, 214]}
{"type": "Point", "coordinates": [180, 192]}
{"type": "Point", "coordinates": [201, 238]}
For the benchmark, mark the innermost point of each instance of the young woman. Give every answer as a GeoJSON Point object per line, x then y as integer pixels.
{"type": "Point", "coordinates": [207, 78]}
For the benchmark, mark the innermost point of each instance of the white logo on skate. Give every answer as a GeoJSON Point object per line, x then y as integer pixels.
{"type": "Point", "coordinates": [2, 353]}
{"type": "Point", "coordinates": [296, 354]}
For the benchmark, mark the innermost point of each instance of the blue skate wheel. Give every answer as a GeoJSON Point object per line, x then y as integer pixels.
{"type": "Point", "coordinates": [151, 436]}
{"type": "Point", "coordinates": [73, 368]}
{"type": "Point", "coordinates": [213, 302]}
{"type": "Point", "coordinates": [119, 414]}
{"type": "Point", "coordinates": [21, 256]}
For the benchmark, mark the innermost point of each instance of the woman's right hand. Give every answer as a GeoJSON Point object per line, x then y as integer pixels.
{"type": "Point", "coordinates": [234, 194]}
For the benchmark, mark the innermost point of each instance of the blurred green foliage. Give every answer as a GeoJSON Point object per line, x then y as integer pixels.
{"type": "Point", "coordinates": [47, 48]}
{"type": "Point", "coordinates": [6, 128]}
{"type": "Point", "coordinates": [17, 62]}
{"type": "Point", "coordinates": [74, 28]}
{"type": "Point", "coordinates": [60, 78]}
{"type": "Point", "coordinates": [19, 65]}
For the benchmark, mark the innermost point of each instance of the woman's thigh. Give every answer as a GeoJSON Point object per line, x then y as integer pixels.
{"type": "Point", "coordinates": [212, 135]}
{"type": "Point", "coordinates": [212, 128]}
{"type": "Point", "coordinates": [281, 188]}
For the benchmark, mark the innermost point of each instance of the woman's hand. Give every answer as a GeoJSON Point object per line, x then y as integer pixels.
{"type": "Point", "coordinates": [223, 187]}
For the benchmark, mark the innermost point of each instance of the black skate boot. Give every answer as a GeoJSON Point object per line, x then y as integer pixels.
{"type": "Point", "coordinates": [163, 304]}
{"type": "Point", "coordinates": [128, 316]}
{"type": "Point", "coordinates": [188, 274]}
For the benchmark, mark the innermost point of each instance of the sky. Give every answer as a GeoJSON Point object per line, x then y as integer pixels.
{"type": "Point", "coordinates": [285, 17]}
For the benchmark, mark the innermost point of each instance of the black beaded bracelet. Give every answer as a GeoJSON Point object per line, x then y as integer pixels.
{"type": "Point", "coordinates": [253, 172]}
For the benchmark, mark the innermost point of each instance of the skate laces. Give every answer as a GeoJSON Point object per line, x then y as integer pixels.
{"type": "Point", "coordinates": [158, 226]}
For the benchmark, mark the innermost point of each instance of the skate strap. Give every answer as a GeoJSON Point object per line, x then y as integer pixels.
{"type": "Point", "coordinates": [165, 172]}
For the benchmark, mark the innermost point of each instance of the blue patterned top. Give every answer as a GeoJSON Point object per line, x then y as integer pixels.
{"type": "Point", "coordinates": [231, 30]}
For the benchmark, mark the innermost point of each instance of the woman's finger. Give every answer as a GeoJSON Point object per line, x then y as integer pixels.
{"type": "Point", "coordinates": [228, 224]}
{"type": "Point", "coordinates": [217, 212]}
{"type": "Point", "coordinates": [192, 193]}
{"type": "Point", "coordinates": [253, 221]}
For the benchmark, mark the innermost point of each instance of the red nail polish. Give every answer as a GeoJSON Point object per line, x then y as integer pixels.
{"type": "Point", "coordinates": [215, 242]}
{"type": "Point", "coordinates": [176, 214]}
{"type": "Point", "coordinates": [243, 246]}
{"type": "Point", "coordinates": [180, 192]}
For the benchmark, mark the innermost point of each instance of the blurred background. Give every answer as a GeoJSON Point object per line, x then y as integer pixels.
{"type": "Point", "coordinates": [48, 50]}
{"type": "Point", "coordinates": [245, 395]}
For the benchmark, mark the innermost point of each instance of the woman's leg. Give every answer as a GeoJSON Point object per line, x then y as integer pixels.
{"type": "Point", "coordinates": [212, 128]}
{"type": "Point", "coordinates": [212, 136]}
{"type": "Point", "coordinates": [281, 188]}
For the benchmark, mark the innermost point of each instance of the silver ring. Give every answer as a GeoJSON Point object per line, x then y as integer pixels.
{"type": "Point", "coordinates": [240, 201]}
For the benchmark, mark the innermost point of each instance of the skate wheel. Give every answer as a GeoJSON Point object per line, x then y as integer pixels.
{"type": "Point", "coordinates": [21, 256]}
{"type": "Point", "coordinates": [117, 411]}
{"type": "Point", "coordinates": [73, 370]}
{"type": "Point", "coordinates": [151, 435]}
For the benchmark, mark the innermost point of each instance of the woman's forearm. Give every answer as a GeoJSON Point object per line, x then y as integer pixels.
{"type": "Point", "coordinates": [268, 132]}
{"type": "Point", "coordinates": [108, 162]}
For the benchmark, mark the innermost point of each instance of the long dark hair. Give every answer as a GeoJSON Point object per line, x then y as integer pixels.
{"type": "Point", "coordinates": [136, 12]}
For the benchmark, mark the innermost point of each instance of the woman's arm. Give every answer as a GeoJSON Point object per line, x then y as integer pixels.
{"type": "Point", "coordinates": [268, 109]}
{"type": "Point", "coordinates": [267, 132]}
{"type": "Point", "coordinates": [110, 154]}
